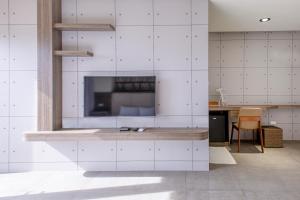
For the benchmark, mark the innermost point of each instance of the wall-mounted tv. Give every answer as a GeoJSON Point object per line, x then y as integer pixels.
{"type": "Point", "coordinates": [119, 96]}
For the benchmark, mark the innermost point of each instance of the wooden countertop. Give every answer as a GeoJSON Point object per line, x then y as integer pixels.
{"type": "Point", "coordinates": [237, 107]}
{"type": "Point", "coordinates": [115, 134]}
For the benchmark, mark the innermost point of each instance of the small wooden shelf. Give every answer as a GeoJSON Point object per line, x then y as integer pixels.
{"type": "Point", "coordinates": [83, 27]}
{"type": "Point", "coordinates": [73, 53]}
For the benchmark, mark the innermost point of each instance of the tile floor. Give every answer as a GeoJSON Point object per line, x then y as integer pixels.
{"type": "Point", "coordinates": [269, 176]}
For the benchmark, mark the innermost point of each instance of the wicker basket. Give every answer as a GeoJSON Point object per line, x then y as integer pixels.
{"type": "Point", "coordinates": [272, 136]}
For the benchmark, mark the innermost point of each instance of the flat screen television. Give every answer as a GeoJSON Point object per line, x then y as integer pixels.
{"type": "Point", "coordinates": [119, 96]}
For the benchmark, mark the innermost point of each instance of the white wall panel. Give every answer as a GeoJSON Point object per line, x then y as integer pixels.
{"type": "Point", "coordinates": [200, 121]}
{"type": "Point", "coordinates": [69, 89]}
{"type": "Point", "coordinates": [232, 53]}
{"type": "Point", "coordinates": [173, 91]}
{"type": "Point", "coordinates": [69, 42]}
{"type": "Point", "coordinates": [214, 36]}
{"type": "Point", "coordinates": [99, 11]}
{"type": "Point", "coordinates": [281, 116]}
{"type": "Point", "coordinates": [256, 100]}
{"type": "Point", "coordinates": [256, 53]}
{"type": "Point", "coordinates": [4, 93]}
{"type": "Point", "coordinates": [280, 100]}
{"type": "Point", "coordinates": [199, 47]}
{"type": "Point", "coordinates": [199, 87]}
{"type": "Point", "coordinates": [97, 166]}
{"type": "Point", "coordinates": [287, 131]}
{"type": "Point", "coordinates": [173, 121]}
{"type": "Point", "coordinates": [135, 121]}
{"type": "Point", "coordinates": [173, 165]}
{"type": "Point", "coordinates": [4, 11]}
{"type": "Point", "coordinates": [172, 12]}
{"type": "Point", "coordinates": [296, 131]}
{"type": "Point", "coordinates": [234, 99]}
{"type": "Point", "coordinates": [102, 44]}
{"type": "Point", "coordinates": [23, 93]}
{"type": "Point", "coordinates": [232, 36]}
{"type": "Point", "coordinates": [23, 47]}
{"type": "Point", "coordinates": [173, 150]}
{"type": "Point", "coordinates": [232, 81]}
{"type": "Point", "coordinates": [296, 53]}
{"type": "Point", "coordinates": [256, 35]}
{"type": "Point", "coordinates": [97, 122]}
{"type": "Point", "coordinates": [282, 87]}
{"type": "Point", "coordinates": [259, 86]}
{"type": "Point", "coordinates": [58, 152]}
{"type": "Point", "coordinates": [4, 168]}
{"type": "Point", "coordinates": [172, 47]}
{"type": "Point", "coordinates": [280, 53]}
{"type": "Point", "coordinates": [135, 166]}
{"type": "Point", "coordinates": [70, 122]}
{"type": "Point", "coordinates": [295, 100]}
{"type": "Point", "coordinates": [134, 12]}
{"type": "Point", "coordinates": [296, 81]}
{"type": "Point", "coordinates": [200, 11]}
{"type": "Point", "coordinates": [97, 151]}
{"type": "Point", "coordinates": [200, 150]}
{"type": "Point", "coordinates": [214, 80]}
{"type": "Point", "coordinates": [134, 48]}
{"type": "Point", "coordinates": [33, 166]}
{"type": "Point", "coordinates": [135, 151]}
{"type": "Point", "coordinates": [4, 132]}
{"type": "Point", "coordinates": [280, 35]}
{"type": "Point", "coordinates": [23, 11]}
{"type": "Point", "coordinates": [69, 11]}
{"type": "Point", "coordinates": [296, 35]}
{"type": "Point", "coordinates": [296, 116]}
{"type": "Point", "coordinates": [214, 53]}
{"type": "Point", "coordinates": [4, 46]}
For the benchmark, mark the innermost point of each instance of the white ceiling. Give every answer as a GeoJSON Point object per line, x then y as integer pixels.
{"type": "Point", "coordinates": [244, 15]}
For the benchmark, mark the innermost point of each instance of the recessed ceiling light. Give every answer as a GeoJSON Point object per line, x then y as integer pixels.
{"type": "Point", "coordinates": [265, 19]}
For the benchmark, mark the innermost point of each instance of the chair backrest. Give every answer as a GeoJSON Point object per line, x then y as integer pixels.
{"type": "Point", "coordinates": [249, 118]}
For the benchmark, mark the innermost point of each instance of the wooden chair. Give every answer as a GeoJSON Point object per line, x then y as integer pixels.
{"type": "Point", "coordinates": [248, 119]}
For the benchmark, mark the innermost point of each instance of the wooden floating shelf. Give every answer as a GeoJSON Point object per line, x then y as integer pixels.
{"type": "Point", "coordinates": [73, 53]}
{"type": "Point", "coordinates": [83, 27]}
{"type": "Point", "coordinates": [115, 134]}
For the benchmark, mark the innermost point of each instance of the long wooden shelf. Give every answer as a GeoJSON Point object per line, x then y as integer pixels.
{"type": "Point", "coordinates": [83, 27]}
{"type": "Point", "coordinates": [115, 134]}
{"type": "Point", "coordinates": [237, 107]}
{"type": "Point", "coordinates": [73, 53]}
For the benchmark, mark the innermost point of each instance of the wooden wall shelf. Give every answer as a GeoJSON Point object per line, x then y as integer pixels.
{"type": "Point", "coordinates": [83, 27]}
{"type": "Point", "coordinates": [73, 53]}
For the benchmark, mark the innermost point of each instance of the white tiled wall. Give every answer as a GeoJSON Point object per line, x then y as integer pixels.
{"type": "Point", "coordinates": [165, 38]}
{"type": "Point", "coordinates": [258, 68]}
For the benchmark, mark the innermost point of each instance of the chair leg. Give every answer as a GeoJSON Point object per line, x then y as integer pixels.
{"type": "Point", "coordinates": [261, 140]}
{"type": "Point", "coordinates": [239, 141]}
{"type": "Point", "coordinates": [232, 129]}
{"type": "Point", "coordinates": [253, 138]}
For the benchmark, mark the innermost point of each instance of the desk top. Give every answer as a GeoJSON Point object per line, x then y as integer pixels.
{"type": "Point", "coordinates": [237, 107]}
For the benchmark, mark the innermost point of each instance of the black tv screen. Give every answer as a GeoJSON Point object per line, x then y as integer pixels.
{"type": "Point", "coordinates": [119, 96]}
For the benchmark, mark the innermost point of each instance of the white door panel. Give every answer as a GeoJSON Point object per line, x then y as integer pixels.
{"type": "Point", "coordinates": [256, 53]}
{"type": "Point", "coordinates": [23, 93]}
{"type": "Point", "coordinates": [256, 35]}
{"type": "Point", "coordinates": [97, 166]}
{"type": "Point", "coordinates": [296, 131]}
{"type": "Point", "coordinates": [201, 150]}
{"type": "Point", "coordinates": [280, 100]}
{"type": "Point", "coordinates": [280, 35]}
{"type": "Point", "coordinates": [280, 53]}
{"type": "Point", "coordinates": [68, 11]}
{"type": "Point", "coordinates": [200, 121]}
{"type": "Point", "coordinates": [135, 121]}
{"type": "Point", "coordinates": [23, 47]}
{"type": "Point", "coordinates": [199, 92]}
{"type": "Point", "coordinates": [259, 86]}
{"type": "Point", "coordinates": [214, 53]}
{"type": "Point", "coordinates": [135, 151]}
{"type": "Point", "coordinates": [4, 93]}
{"type": "Point", "coordinates": [199, 47]}
{"type": "Point", "coordinates": [134, 48]}
{"type": "Point", "coordinates": [296, 53]}
{"type": "Point", "coordinates": [172, 47]}
{"type": "Point", "coordinates": [99, 11]}
{"type": "Point", "coordinates": [70, 122]}
{"type": "Point", "coordinates": [232, 52]}
{"type": "Point", "coordinates": [97, 151]}
{"type": "Point", "coordinates": [97, 122]}
{"type": "Point", "coordinates": [296, 116]}
{"type": "Point", "coordinates": [173, 93]}
{"type": "Point", "coordinates": [173, 150]}
{"type": "Point", "coordinates": [172, 12]}
{"type": "Point", "coordinates": [214, 36]}
{"type": "Point", "coordinates": [69, 40]}
{"type": "Point", "coordinates": [173, 165]}
{"type": "Point", "coordinates": [102, 44]}
{"type": "Point", "coordinates": [69, 94]}
{"type": "Point", "coordinates": [296, 81]}
{"type": "Point", "coordinates": [232, 81]}
{"type": "Point", "coordinates": [4, 11]}
{"type": "Point", "coordinates": [59, 152]}
{"type": "Point", "coordinates": [287, 131]}
{"type": "Point", "coordinates": [135, 166]}
{"type": "Point", "coordinates": [256, 100]}
{"type": "Point", "coordinates": [296, 35]}
{"type": "Point", "coordinates": [4, 46]}
{"type": "Point", "coordinates": [199, 11]}
{"type": "Point", "coordinates": [280, 81]}
{"type": "Point", "coordinates": [214, 80]}
{"type": "Point", "coordinates": [232, 36]}
{"type": "Point", "coordinates": [134, 12]}
{"type": "Point", "coordinates": [23, 11]}
{"type": "Point", "coordinates": [4, 132]}
{"type": "Point", "coordinates": [173, 121]}
{"type": "Point", "coordinates": [296, 100]}
{"type": "Point", "coordinates": [234, 99]}
{"type": "Point", "coordinates": [281, 115]}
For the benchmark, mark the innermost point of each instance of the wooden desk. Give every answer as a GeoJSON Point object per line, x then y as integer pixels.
{"type": "Point", "coordinates": [237, 107]}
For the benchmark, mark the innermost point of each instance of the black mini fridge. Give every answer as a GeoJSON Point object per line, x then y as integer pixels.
{"type": "Point", "coordinates": [218, 126]}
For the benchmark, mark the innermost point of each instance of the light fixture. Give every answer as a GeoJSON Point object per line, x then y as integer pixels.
{"type": "Point", "coordinates": [265, 19]}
